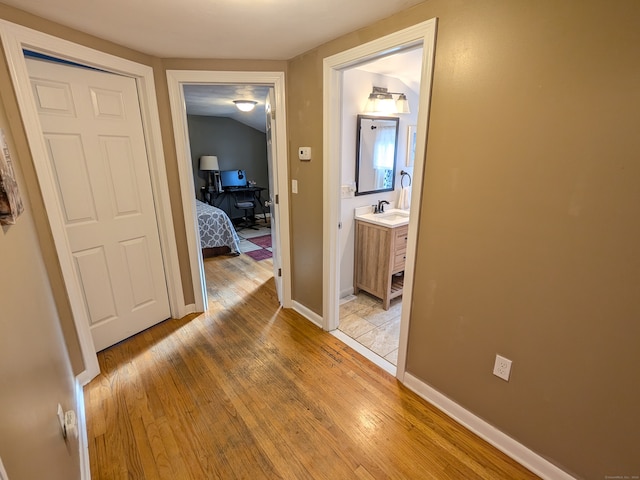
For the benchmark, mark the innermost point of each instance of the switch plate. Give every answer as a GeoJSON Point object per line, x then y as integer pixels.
{"type": "Point", "coordinates": [61, 421]}
{"type": "Point", "coordinates": [502, 368]}
{"type": "Point", "coordinates": [294, 186]}
{"type": "Point", "coordinates": [304, 153]}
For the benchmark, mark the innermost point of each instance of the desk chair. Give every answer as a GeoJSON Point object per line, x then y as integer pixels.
{"type": "Point", "coordinates": [246, 200]}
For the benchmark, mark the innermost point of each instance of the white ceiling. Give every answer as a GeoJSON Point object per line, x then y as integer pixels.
{"type": "Point", "coordinates": [238, 29]}
{"type": "Point", "coordinates": [405, 65]}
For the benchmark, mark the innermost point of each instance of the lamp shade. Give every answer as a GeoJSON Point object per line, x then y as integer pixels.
{"type": "Point", "coordinates": [209, 162]}
{"type": "Point", "coordinates": [402, 104]}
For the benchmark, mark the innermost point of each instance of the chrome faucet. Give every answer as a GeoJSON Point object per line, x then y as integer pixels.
{"type": "Point", "coordinates": [380, 207]}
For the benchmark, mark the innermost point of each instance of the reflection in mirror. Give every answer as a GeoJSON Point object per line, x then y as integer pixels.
{"type": "Point", "coordinates": [376, 147]}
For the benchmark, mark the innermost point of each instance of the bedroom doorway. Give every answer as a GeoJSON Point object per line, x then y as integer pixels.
{"type": "Point", "coordinates": [277, 201]}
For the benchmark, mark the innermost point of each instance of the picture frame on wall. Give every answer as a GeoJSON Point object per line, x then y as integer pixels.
{"type": "Point", "coordinates": [10, 200]}
{"type": "Point", "coordinates": [411, 145]}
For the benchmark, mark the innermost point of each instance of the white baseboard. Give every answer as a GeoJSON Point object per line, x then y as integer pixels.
{"type": "Point", "coordinates": [83, 444]}
{"type": "Point", "coordinates": [346, 292]}
{"type": "Point", "coordinates": [310, 315]}
{"type": "Point", "coordinates": [387, 366]}
{"type": "Point", "coordinates": [521, 454]}
{"type": "Point", "coordinates": [191, 308]}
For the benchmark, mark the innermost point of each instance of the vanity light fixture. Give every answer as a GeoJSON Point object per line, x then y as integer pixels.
{"type": "Point", "coordinates": [245, 105]}
{"type": "Point", "coordinates": [381, 101]}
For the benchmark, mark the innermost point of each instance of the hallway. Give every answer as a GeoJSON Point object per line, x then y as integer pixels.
{"type": "Point", "coordinates": [250, 390]}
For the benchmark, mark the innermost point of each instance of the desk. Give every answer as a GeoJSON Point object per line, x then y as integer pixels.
{"type": "Point", "coordinates": [224, 200]}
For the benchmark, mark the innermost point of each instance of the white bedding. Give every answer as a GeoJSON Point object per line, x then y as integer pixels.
{"type": "Point", "coordinates": [216, 229]}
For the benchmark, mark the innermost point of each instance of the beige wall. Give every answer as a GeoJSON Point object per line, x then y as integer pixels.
{"type": "Point", "coordinates": [35, 369]}
{"type": "Point", "coordinates": [529, 231]}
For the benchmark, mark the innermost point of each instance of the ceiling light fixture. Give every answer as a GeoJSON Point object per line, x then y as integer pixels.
{"type": "Point", "coordinates": [381, 101]}
{"type": "Point", "coordinates": [245, 105]}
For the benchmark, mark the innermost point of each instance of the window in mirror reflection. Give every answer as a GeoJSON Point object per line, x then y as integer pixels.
{"type": "Point", "coordinates": [376, 154]}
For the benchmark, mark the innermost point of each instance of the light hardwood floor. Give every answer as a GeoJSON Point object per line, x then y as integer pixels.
{"type": "Point", "coordinates": [248, 390]}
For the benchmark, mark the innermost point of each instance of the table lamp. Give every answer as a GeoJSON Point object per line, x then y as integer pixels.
{"type": "Point", "coordinates": [209, 163]}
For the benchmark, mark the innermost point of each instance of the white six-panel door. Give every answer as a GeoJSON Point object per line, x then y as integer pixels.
{"type": "Point", "coordinates": [92, 127]}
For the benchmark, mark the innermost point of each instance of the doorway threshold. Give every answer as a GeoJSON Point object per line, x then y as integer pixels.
{"type": "Point", "coordinates": [365, 352]}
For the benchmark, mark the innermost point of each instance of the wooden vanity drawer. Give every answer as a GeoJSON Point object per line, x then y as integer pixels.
{"type": "Point", "coordinates": [401, 235]}
{"type": "Point", "coordinates": [399, 261]}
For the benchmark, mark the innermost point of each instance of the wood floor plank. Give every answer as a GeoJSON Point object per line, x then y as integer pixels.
{"type": "Point", "coordinates": [250, 390]}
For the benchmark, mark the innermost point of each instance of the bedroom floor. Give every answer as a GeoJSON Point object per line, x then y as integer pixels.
{"type": "Point", "coordinates": [246, 233]}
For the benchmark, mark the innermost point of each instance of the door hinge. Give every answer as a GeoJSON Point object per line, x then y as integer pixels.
{"type": "Point", "coordinates": [279, 272]}
{"type": "Point", "coordinates": [339, 225]}
{"type": "Point", "coordinates": [273, 114]}
{"type": "Point", "coordinates": [277, 199]}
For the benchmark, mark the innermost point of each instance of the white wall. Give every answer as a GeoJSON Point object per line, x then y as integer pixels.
{"type": "Point", "coordinates": [357, 84]}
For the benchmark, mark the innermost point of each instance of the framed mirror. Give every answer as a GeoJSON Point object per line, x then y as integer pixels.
{"type": "Point", "coordinates": [376, 150]}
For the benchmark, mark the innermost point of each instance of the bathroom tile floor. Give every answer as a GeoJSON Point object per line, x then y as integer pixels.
{"type": "Point", "coordinates": [363, 319]}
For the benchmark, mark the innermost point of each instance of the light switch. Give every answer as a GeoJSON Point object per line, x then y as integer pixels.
{"type": "Point", "coordinates": [304, 153]}
{"type": "Point", "coordinates": [294, 186]}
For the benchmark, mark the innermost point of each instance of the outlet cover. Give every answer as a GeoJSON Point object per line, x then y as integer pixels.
{"type": "Point", "coordinates": [304, 153]}
{"type": "Point", "coordinates": [502, 368]}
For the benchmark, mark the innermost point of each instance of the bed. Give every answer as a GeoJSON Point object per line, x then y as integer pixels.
{"type": "Point", "coordinates": [217, 235]}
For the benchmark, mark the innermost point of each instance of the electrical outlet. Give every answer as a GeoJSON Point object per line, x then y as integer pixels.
{"type": "Point", "coordinates": [502, 368]}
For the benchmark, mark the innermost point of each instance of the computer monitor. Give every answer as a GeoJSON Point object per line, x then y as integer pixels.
{"type": "Point", "coordinates": [233, 179]}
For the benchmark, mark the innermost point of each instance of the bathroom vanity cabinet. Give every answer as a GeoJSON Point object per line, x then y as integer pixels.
{"type": "Point", "coordinates": [380, 254]}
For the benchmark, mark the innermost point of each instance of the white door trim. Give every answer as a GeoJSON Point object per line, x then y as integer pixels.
{"type": "Point", "coordinates": [422, 33]}
{"type": "Point", "coordinates": [176, 80]}
{"type": "Point", "coordinates": [15, 38]}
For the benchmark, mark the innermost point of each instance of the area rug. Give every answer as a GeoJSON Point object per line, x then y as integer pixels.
{"type": "Point", "coordinates": [264, 242]}
{"type": "Point", "coordinates": [261, 254]}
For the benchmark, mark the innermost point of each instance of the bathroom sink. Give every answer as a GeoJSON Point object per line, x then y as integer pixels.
{"type": "Point", "coordinates": [391, 218]}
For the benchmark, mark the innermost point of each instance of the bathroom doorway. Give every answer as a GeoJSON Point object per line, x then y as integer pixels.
{"type": "Point", "coordinates": [338, 224]}
{"type": "Point", "coordinates": [362, 316]}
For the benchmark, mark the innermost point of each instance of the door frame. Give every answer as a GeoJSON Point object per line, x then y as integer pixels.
{"type": "Point", "coordinates": [15, 38]}
{"type": "Point", "coordinates": [176, 80]}
{"type": "Point", "coordinates": [421, 34]}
